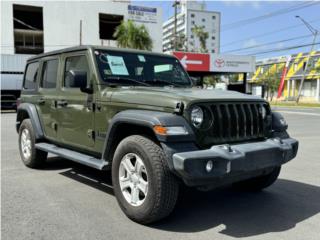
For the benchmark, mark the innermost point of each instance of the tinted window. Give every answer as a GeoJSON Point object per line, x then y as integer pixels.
{"type": "Point", "coordinates": [49, 74]}
{"type": "Point", "coordinates": [31, 75]}
{"type": "Point", "coordinates": [76, 63]}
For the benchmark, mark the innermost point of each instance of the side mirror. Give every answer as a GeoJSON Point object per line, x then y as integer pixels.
{"type": "Point", "coordinates": [78, 79]}
{"type": "Point", "coordinates": [195, 81]}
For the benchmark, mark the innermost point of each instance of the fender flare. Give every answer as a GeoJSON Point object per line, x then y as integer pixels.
{"type": "Point", "coordinates": [149, 119]}
{"type": "Point", "coordinates": [31, 110]}
{"type": "Point", "coordinates": [278, 122]}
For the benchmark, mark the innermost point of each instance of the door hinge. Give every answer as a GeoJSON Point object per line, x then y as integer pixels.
{"type": "Point", "coordinates": [91, 134]}
{"type": "Point", "coordinates": [54, 126]}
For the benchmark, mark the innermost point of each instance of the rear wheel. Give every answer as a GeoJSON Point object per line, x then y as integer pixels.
{"type": "Point", "coordinates": [144, 187]}
{"type": "Point", "coordinates": [259, 183]}
{"type": "Point", "coordinates": [30, 156]}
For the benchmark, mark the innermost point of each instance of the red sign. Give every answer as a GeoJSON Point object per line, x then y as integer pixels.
{"type": "Point", "coordinates": [283, 77]}
{"type": "Point", "coordinates": [194, 61]}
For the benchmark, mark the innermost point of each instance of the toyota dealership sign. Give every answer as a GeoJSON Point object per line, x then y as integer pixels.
{"type": "Point", "coordinates": [204, 62]}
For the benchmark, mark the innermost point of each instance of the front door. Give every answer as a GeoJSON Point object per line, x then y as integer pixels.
{"type": "Point", "coordinates": [76, 116]}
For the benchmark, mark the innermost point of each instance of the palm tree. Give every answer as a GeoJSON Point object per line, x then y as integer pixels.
{"type": "Point", "coordinates": [202, 36]}
{"type": "Point", "coordinates": [130, 35]}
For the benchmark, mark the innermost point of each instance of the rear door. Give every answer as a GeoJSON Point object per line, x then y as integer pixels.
{"type": "Point", "coordinates": [47, 101]}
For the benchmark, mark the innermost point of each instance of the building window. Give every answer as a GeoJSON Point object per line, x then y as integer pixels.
{"type": "Point", "coordinates": [49, 74]}
{"type": "Point", "coordinates": [191, 36]}
{"type": "Point", "coordinates": [213, 17]}
{"type": "Point", "coordinates": [203, 20]}
{"type": "Point", "coordinates": [213, 38]}
{"type": "Point", "coordinates": [315, 61]}
{"type": "Point", "coordinates": [212, 51]}
{"type": "Point", "coordinates": [192, 15]}
{"type": "Point", "coordinates": [192, 22]}
{"type": "Point", "coordinates": [28, 29]}
{"type": "Point", "coordinates": [108, 24]}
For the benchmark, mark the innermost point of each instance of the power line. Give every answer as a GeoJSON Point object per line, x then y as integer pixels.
{"type": "Point", "coordinates": [283, 49]}
{"type": "Point", "coordinates": [268, 15]}
{"type": "Point", "coordinates": [268, 33]}
{"type": "Point", "coordinates": [269, 43]}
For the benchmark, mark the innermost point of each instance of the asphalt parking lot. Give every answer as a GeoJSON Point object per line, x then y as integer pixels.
{"type": "Point", "coordinates": [65, 200]}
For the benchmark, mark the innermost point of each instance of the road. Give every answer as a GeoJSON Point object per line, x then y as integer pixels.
{"type": "Point", "coordinates": [67, 201]}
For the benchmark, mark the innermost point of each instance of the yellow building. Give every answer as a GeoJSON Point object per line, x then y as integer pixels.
{"type": "Point", "coordinates": [271, 70]}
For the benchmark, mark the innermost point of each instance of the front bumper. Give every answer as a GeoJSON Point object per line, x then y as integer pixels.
{"type": "Point", "coordinates": [233, 162]}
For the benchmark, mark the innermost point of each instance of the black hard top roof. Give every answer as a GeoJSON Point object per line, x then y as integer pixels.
{"type": "Point", "coordinates": [92, 47]}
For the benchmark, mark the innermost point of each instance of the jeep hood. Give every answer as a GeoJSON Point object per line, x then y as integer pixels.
{"type": "Point", "coordinates": [168, 97]}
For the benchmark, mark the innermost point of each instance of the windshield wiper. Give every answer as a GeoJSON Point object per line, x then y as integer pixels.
{"type": "Point", "coordinates": [170, 83]}
{"type": "Point", "coordinates": [126, 79]}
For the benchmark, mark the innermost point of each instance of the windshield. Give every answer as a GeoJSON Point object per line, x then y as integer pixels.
{"type": "Point", "coordinates": [123, 68]}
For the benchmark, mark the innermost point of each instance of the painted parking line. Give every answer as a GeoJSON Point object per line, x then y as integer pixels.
{"type": "Point", "coordinates": [300, 113]}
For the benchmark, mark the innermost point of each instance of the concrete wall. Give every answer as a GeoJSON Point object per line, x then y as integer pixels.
{"type": "Point", "coordinates": [61, 21]}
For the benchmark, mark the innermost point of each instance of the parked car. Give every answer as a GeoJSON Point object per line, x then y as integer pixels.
{"type": "Point", "coordinates": [136, 113]}
{"type": "Point", "coordinates": [8, 102]}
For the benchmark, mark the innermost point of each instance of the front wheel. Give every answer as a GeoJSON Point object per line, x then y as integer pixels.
{"type": "Point", "coordinates": [260, 182]}
{"type": "Point", "coordinates": [144, 187]}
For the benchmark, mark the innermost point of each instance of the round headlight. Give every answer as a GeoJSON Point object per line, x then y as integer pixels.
{"type": "Point", "coordinates": [197, 116]}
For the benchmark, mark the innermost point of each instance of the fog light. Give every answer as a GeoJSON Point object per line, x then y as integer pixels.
{"type": "Point", "coordinates": [209, 166]}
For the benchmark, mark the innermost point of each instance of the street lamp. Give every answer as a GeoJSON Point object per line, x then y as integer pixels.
{"type": "Point", "coordinates": [314, 33]}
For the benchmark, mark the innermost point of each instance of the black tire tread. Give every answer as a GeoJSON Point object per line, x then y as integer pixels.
{"type": "Point", "coordinates": [166, 193]}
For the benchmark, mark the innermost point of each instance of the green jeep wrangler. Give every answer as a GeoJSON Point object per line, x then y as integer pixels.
{"type": "Point", "coordinates": [137, 114]}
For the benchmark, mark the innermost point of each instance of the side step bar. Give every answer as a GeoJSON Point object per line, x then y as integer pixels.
{"type": "Point", "coordinates": [73, 156]}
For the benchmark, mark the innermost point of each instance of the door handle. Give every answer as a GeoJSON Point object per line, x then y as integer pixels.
{"type": "Point", "coordinates": [41, 101]}
{"type": "Point", "coordinates": [62, 103]}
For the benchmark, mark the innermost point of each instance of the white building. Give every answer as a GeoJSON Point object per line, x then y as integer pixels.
{"type": "Point", "coordinates": [192, 14]}
{"type": "Point", "coordinates": [33, 27]}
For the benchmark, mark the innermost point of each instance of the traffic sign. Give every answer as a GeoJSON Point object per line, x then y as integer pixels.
{"type": "Point", "coordinates": [194, 61]}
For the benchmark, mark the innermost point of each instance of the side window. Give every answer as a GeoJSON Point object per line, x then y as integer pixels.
{"type": "Point", "coordinates": [76, 63]}
{"type": "Point", "coordinates": [31, 76]}
{"type": "Point", "coordinates": [49, 74]}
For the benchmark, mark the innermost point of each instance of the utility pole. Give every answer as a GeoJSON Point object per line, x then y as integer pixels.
{"type": "Point", "coordinates": [80, 33]}
{"type": "Point", "coordinates": [314, 33]}
{"type": "Point", "coordinates": [175, 5]}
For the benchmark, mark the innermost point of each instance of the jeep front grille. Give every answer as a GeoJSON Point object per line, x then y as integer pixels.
{"type": "Point", "coordinates": [236, 122]}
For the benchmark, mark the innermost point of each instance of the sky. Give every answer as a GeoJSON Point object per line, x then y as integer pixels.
{"type": "Point", "coordinates": [279, 27]}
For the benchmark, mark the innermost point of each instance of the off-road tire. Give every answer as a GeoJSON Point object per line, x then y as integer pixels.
{"type": "Point", "coordinates": [37, 157]}
{"type": "Point", "coordinates": [258, 183]}
{"type": "Point", "coordinates": [163, 187]}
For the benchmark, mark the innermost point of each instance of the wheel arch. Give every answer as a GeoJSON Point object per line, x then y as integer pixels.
{"type": "Point", "coordinates": [141, 122]}
{"type": "Point", "coordinates": [28, 110]}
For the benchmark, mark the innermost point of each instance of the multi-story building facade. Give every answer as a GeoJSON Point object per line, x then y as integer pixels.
{"type": "Point", "coordinates": [192, 14]}
{"type": "Point", "coordinates": [272, 69]}
{"type": "Point", "coordinates": [29, 28]}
